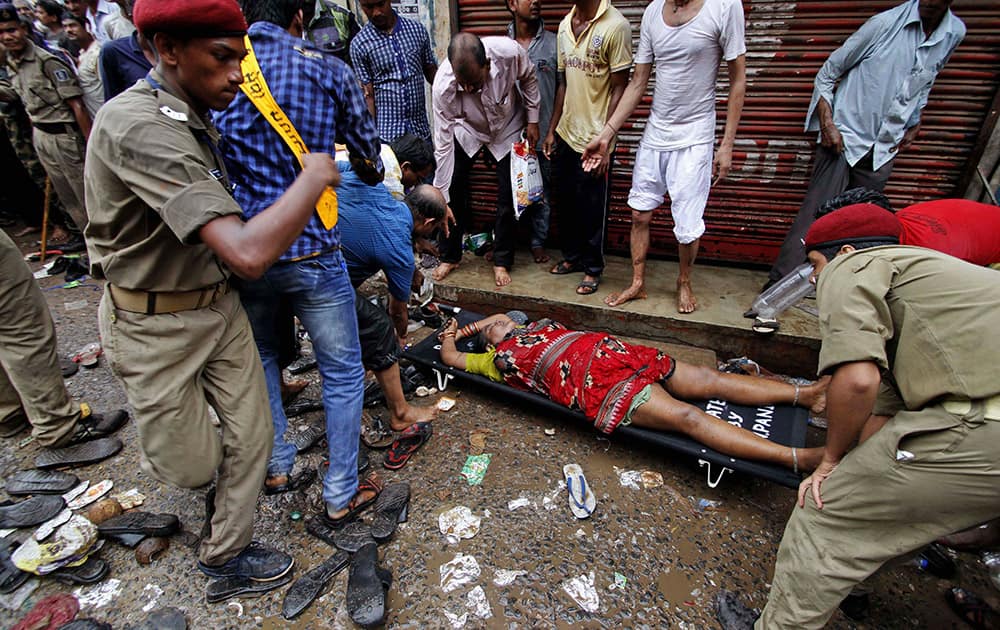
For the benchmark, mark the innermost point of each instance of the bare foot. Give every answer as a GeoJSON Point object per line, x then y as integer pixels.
{"type": "Point", "coordinates": [412, 415]}
{"type": "Point", "coordinates": [442, 270]}
{"type": "Point", "coordinates": [58, 236]}
{"type": "Point", "coordinates": [633, 292]}
{"type": "Point", "coordinates": [809, 458]}
{"type": "Point", "coordinates": [540, 255]}
{"type": "Point", "coordinates": [686, 302]}
{"type": "Point", "coordinates": [814, 396]}
{"type": "Point", "coordinates": [501, 276]}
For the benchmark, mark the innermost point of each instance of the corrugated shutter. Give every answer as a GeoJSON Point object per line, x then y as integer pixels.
{"type": "Point", "coordinates": [787, 42]}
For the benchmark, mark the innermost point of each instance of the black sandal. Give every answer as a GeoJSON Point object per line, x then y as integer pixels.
{"type": "Point", "coordinates": [564, 267]}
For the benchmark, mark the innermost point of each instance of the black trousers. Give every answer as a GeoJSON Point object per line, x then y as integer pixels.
{"type": "Point", "coordinates": [831, 176]}
{"type": "Point", "coordinates": [581, 201]}
{"type": "Point", "coordinates": [504, 227]}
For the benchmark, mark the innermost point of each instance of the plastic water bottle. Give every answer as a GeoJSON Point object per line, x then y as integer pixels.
{"type": "Point", "coordinates": [992, 561]}
{"type": "Point", "coordinates": [784, 293]}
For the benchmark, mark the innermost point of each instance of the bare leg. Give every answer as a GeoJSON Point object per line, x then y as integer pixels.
{"type": "Point", "coordinates": [639, 244]}
{"type": "Point", "coordinates": [663, 412]}
{"type": "Point", "coordinates": [871, 427]}
{"type": "Point", "coordinates": [686, 301]}
{"type": "Point", "coordinates": [501, 276]}
{"type": "Point", "coordinates": [442, 270]}
{"type": "Point", "coordinates": [402, 413]}
{"type": "Point", "coordinates": [700, 383]}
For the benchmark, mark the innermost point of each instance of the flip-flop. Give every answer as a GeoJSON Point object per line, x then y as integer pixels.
{"type": "Point", "coordinates": [93, 570]}
{"type": "Point", "coordinates": [581, 498]}
{"type": "Point", "coordinates": [320, 527]}
{"type": "Point", "coordinates": [68, 367]}
{"type": "Point", "coordinates": [307, 439]}
{"type": "Point", "coordinates": [408, 443]}
{"type": "Point", "coordinates": [375, 433]}
{"type": "Point", "coordinates": [390, 509]}
{"type": "Point", "coordinates": [353, 536]}
{"type": "Point", "coordinates": [588, 287]}
{"type": "Point", "coordinates": [88, 355]}
{"type": "Point", "coordinates": [40, 482]}
{"type": "Point", "coordinates": [145, 523]}
{"type": "Point", "coordinates": [295, 481]}
{"type": "Point", "coordinates": [564, 267]}
{"type": "Point", "coordinates": [11, 578]}
{"type": "Point", "coordinates": [79, 454]}
{"type": "Point", "coordinates": [371, 483]}
{"type": "Point", "coordinates": [303, 405]}
{"type": "Point", "coordinates": [228, 587]}
{"type": "Point", "coordinates": [367, 586]}
{"type": "Point", "coordinates": [307, 588]}
{"type": "Point", "coordinates": [972, 609]}
{"type": "Point", "coordinates": [765, 325]}
{"type": "Point", "coordinates": [33, 511]}
{"type": "Point", "coordinates": [51, 612]}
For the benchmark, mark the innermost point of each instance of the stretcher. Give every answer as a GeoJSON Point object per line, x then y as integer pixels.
{"type": "Point", "coordinates": [782, 424]}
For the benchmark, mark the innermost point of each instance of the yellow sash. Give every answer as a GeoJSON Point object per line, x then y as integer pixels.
{"type": "Point", "coordinates": [257, 91]}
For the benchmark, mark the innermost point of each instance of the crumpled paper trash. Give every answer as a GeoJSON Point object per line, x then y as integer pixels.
{"type": "Point", "coordinates": [477, 602]}
{"type": "Point", "coordinates": [582, 590]}
{"type": "Point", "coordinates": [459, 522]}
{"type": "Point", "coordinates": [460, 571]}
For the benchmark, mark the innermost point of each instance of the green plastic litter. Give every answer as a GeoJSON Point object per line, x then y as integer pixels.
{"type": "Point", "coordinates": [475, 468]}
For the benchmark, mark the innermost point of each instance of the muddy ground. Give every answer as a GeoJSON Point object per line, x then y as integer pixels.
{"type": "Point", "coordinates": [667, 559]}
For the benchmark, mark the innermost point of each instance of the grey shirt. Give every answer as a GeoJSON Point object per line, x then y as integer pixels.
{"type": "Point", "coordinates": [542, 52]}
{"type": "Point", "coordinates": [886, 70]}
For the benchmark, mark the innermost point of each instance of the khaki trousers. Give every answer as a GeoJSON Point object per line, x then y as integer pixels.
{"type": "Point", "coordinates": [173, 366]}
{"type": "Point", "coordinates": [925, 474]}
{"type": "Point", "coordinates": [30, 378]}
{"type": "Point", "coordinates": [62, 156]}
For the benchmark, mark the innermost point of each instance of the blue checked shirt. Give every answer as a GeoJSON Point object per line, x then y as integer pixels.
{"type": "Point", "coordinates": [393, 63]}
{"type": "Point", "coordinates": [322, 99]}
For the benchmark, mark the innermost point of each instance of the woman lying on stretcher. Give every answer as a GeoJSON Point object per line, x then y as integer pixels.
{"type": "Point", "coordinates": [613, 383]}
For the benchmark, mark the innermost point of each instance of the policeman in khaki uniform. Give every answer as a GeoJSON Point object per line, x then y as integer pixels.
{"type": "Point", "coordinates": [53, 99]}
{"type": "Point", "coordinates": [166, 233]}
{"type": "Point", "coordinates": [909, 335]}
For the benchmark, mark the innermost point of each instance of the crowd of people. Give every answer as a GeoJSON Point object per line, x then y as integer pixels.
{"type": "Point", "coordinates": [228, 168]}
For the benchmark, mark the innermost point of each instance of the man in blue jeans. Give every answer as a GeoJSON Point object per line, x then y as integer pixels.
{"type": "Point", "coordinates": [321, 98]}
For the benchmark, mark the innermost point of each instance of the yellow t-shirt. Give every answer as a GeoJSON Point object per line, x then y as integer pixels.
{"type": "Point", "coordinates": [482, 364]}
{"type": "Point", "coordinates": [604, 46]}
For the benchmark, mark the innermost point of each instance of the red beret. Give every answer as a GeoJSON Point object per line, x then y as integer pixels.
{"type": "Point", "coordinates": [204, 18]}
{"type": "Point", "coordinates": [856, 223]}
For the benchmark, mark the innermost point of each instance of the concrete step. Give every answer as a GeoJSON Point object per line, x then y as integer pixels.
{"type": "Point", "coordinates": [723, 294]}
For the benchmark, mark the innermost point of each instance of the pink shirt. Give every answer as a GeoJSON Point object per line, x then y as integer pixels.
{"type": "Point", "coordinates": [494, 117]}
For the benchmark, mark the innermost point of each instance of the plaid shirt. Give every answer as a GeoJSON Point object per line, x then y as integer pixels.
{"type": "Point", "coordinates": [322, 99]}
{"type": "Point", "coordinates": [394, 64]}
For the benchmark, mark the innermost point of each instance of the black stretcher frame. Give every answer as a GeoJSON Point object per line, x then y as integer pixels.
{"type": "Point", "coordinates": [783, 424]}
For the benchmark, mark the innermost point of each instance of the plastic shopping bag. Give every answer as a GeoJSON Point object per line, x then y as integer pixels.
{"type": "Point", "coordinates": [525, 177]}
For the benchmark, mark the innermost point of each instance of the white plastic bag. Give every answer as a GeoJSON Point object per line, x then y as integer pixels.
{"type": "Point", "coordinates": [525, 177]}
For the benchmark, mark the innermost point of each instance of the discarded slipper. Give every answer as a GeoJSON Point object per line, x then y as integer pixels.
{"type": "Point", "coordinates": [228, 587]}
{"type": "Point", "coordinates": [303, 405]}
{"type": "Point", "coordinates": [374, 432]}
{"type": "Point", "coordinates": [68, 367]}
{"type": "Point", "coordinates": [308, 438]}
{"type": "Point", "coordinates": [581, 498]}
{"type": "Point", "coordinates": [972, 609]}
{"type": "Point", "coordinates": [302, 366]}
{"type": "Point", "coordinates": [730, 612]}
{"type": "Point", "coordinates": [390, 509]}
{"type": "Point", "coordinates": [320, 527]}
{"type": "Point", "coordinates": [168, 618]}
{"type": "Point", "coordinates": [145, 523]}
{"type": "Point", "coordinates": [293, 481]}
{"type": "Point", "coordinates": [367, 585]}
{"type": "Point", "coordinates": [408, 443]}
{"type": "Point", "coordinates": [11, 578]}
{"type": "Point", "coordinates": [307, 588]}
{"type": "Point", "coordinates": [90, 572]}
{"type": "Point", "coordinates": [353, 537]}
{"type": "Point", "coordinates": [765, 325]}
{"type": "Point", "coordinates": [129, 540]}
{"type": "Point", "coordinates": [51, 612]}
{"type": "Point", "coordinates": [33, 511]}
{"type": "Point", "coordinates": [79, 454]}
{"type": "Point", "coordinates": [40, 482]}
{"type": "Point", "coordinates": [88, 355]}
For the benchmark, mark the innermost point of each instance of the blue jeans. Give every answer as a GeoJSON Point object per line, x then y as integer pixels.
{"type": "Point", "coordinates": [322, 297]}
{"type": "Point", "coordinates": [540, 211]}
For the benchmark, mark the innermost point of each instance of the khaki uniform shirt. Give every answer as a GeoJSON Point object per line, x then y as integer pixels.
{"type": "Point", "coordinates": [927, 319]}
{"type": "Point", "coordinates": [153, 180]}
{"type": "Point", "coordinates": [43, 83]}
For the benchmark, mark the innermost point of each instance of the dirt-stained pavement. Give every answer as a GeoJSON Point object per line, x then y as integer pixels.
{"type": "Point", "coordinates": [665, 559]}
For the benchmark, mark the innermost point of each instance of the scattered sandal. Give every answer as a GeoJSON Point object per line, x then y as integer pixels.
{"type": "Point", "coordinates": [307, 588]}
{"type": "Point", "coordinates": [28, 482]}
{"type": "Point", "coordinates": [79, 455]}
{"type": "Point", "coordinates": [303, 405]}
{"type": "Point", "coordinates": [88, 355]}
{"type": "Point", "coordinates": [581, 498]}
{"type": "Point", "coordinates": [367, 586]}
{"type": "Point", "coordinates": [391, 508]}
{"type": "Point", "coordinates": [765, 325]}
{"type": "Point", "coordinates": [228, 587]}
{"type": "Point", "coordinates": [307, 439]}
{"type": "Point", "coordinates": [33, 511]}
{"type": "Point", "coordinates": [145, 523]}
{"type": "Point", "coordinates": [408, 443]}
{"type": "Point", "coordinates": [374, 432]}
{"type": "Point", "coordinates": [353, 537]}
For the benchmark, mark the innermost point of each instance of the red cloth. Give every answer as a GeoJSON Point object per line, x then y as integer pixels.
{"type": "Point", "coordinates": [856, 222]}
{"type": "Point", "coordinates": [201, 17]}
{"type": "Point", "coordinates": [594, 373]}
{"type": "Point", "coordinates": [958, 227]}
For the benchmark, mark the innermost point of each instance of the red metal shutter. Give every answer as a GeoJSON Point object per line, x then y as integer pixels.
{"type": "Point", "coordinates": [787, 42]}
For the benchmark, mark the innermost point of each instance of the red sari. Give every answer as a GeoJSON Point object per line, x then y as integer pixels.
{"type": "Point", "coordinates": [594, 373]}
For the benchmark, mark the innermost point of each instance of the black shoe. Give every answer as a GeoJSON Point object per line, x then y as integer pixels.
{"type": "Point", "coordinates": [856, 605]}
{"type": "Point", "coordinates": [257, 562]}
{"type": "Point", "coordinates": [98, 425]}
{"type": "Point", "coordinates": [74, 245]}
{"type": "Point", "coordinates": [15, 425]}
{"type": "Point", "coordinates": [732, 614]}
